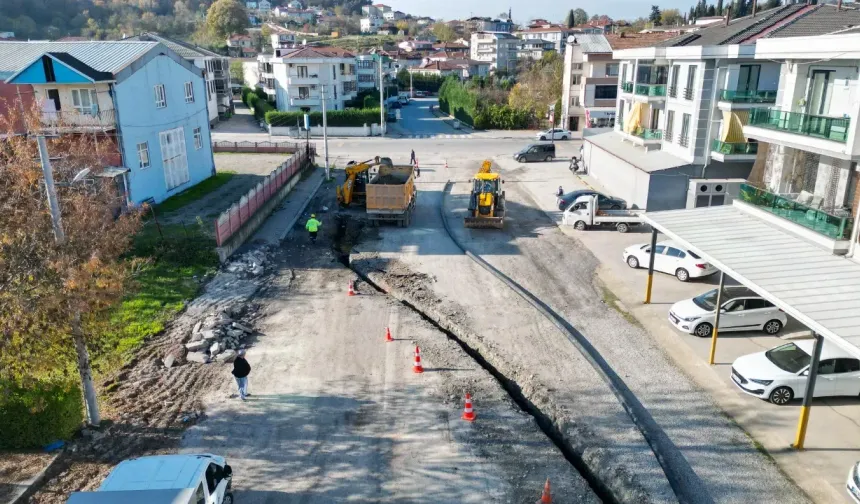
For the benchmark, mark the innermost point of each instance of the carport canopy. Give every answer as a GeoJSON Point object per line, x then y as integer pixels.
{"type": "Point", "coordinates": [819, 289]}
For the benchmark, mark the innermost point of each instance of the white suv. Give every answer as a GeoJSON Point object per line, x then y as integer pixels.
{"type": "Point", "coordinates": [742, 310]}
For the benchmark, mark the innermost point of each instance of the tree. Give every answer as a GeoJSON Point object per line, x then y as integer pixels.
{"type": "Point", "coordinates": [266, 33]}
{"type": "Point", "coordinates": [671, 17]}
{"type": "Point", "coordinates": [225, 18]}
{"type": "Point", "coordinates": [56, 286]}
{"type": "Point", "coordinates": [402, 25]}
{"type": "Point", "coordinates": [237, 73]}
{"type": "Point", "coordinates": [403, 78]}
{"type": "Point", "coordinates": [711, 11]}
{"type": "Point", "coordinates": [655, 15]}
{"type": "Point", "coordinates": [771, 4]}
{"type": "Point", "coordinates": [580, 16]}
{"type": "Point", "coordinates": [719, 9]}
{"type": "Point", "coordinates": [570, 20]}
{"type": "Point", "coordinates": [444, 32]}
{"type": "Point", "coordinates": [692, 15]}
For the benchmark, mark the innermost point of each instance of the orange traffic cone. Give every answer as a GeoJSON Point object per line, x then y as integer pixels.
{"type": "Point", "coordinates": [446, 164]}
{"type": "Point", "coordinates": [468, 414]}
{"type": "Point", "coordinates": [350, 291]}
{"type": "Point", "coordinates": [388, 338]}
{"type": "Point", "coordinates": [546, 496]}
{"type": "Point", "coordinates": [417, 367]}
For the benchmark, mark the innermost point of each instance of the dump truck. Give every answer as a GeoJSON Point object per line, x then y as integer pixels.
{"type": "Point", "coordinates": [584, 213]}
{"type": "Point", "coordinates": [391, 195]}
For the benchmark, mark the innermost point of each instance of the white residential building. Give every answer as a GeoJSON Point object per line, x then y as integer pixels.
{"type": "Point", "coordinates": [371, 24]}
{"type": "Point", "coordinates": [534, 48]}
{"type": "Point", "coordinates": [367, 69]}
{"type": "Point", "coordinates": [555, 34]}
{"type": "Point", "coordinates": [393, 15]}
{"type": "Point", "coordinates": [497, 48]}
{"type": "Point", "coordinates": [297, 77]}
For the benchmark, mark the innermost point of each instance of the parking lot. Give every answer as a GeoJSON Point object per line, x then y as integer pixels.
{"type": "Point", "coordinates": [833, 438]}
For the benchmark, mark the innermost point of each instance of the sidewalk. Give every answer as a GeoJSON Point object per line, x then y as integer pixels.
{"type": "Point", "coordinates": [290, 211]}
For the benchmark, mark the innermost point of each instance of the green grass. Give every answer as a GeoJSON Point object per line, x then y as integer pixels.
{"type": "Point", "coordinates": [612, 301]}
{"type": "Point", "coordinates": [194, 193]}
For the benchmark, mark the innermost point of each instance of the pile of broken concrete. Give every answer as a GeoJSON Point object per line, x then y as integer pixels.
{"type": "Point", "coordinates": [219, 335]}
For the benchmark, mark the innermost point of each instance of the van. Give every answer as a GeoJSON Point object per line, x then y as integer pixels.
{"type": "Point", "coordinates": [536, 152]}
{"type": "Point", "coordinates": [164, 479]}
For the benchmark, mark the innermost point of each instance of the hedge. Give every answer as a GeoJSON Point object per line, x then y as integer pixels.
{"type": "Point", "coordinates": [260, 106]}
{"type": "Point", "coordinates": [39, 414]}
{"type": "Point", "coordinates": [503, 117]}
{"type": "Point", "coordinates": [456, 100]}
{"type": "Point", "coordinates": [246, 92]}
{"type": "Point", "coordinates": [352, 117]}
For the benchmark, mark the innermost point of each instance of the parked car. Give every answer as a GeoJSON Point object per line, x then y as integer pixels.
{"type": "Point", "coordinates": [390, 116]}
{"type": "Point", "coordinates": [853, 484]}
{"type": "Point", "coordinates": [420, 94]}
{"type": "Point", "coordinates": [669, 258]}
{"type": "Point", "coordinates": [604, 202]}
{"type": "Point", "coordinates": [536, 152]}
{"type": "Point", "coordinates": [780, 374]}
{"type": "Point", "coordinates": [741, 310]}
{"type": "Point", "coordinates": [395, 104]}
{"type": "Point", "coordinates": [554, 134]}
{"type": "Point", "coordinates": [178, 479]}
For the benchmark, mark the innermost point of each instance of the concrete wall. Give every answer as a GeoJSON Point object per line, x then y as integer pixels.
{"type": "Point", "coordinates": [317, 131]}
{"type": "Point", "coordinates": [618, 176]}
{"type": "Point", "coordinates": [139, 121]}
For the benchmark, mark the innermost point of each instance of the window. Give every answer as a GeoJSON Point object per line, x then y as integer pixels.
{"type": "Point", "coordinates": [827, 366]}
{"type": "Point", "coordinates": [670, 123]}
{"type": "Point", "coordinates": [48, 66]}
{"type": "Point", "coordinates": [673, 252]}
{"type": "Point", "coordinates": [623, 73]}
{"type": "Point", "coordinates": [691, 82]}
{"type": "Point", "coordinates": [160, 96]}
{"type": "Point", "coordinates": [748, 78]}
{"type": "Point", "coordinates": [334, 72]}
{"type": "Point", "coordinates": [174, 157]}
{"type": "Point", "coordinates": [575, 80]}
{"type": "Point", "coordinates": [847, 365]}
{"type": "Point", "coordinates": [574, 101]}
{"type": "Point", "coordinates": [143, 155]}
{"type": "Point", "coordinates": [605, 92]}
{"type": "Point", "coordinates": [302, 72]}
{"type": "Point", "coordinates": [350, 87]}
{"type": "Point", "coordinates": [659, 249]}
{"type": "Point", "coordinates": [304, 93]}
{"type": "Point", "coordinates": [735, 305]}
{"type": "Point", "coordinates": [755, 304]}
{"type": "Point", "coordinates": [85, 100]}
{"type": "Point", "coordinates": [200, 495]}
{"type": "Point", "coordinates": [576, 66]}
{"type": "Point", "coordinates": [684, 140]}
{"type": "Point", "coordinates": [673, 86]}
{"type": "Point", "coordinates": [198, 139]}
{"type": "Point", "coordinates": [189, 92]}
{"type": "Point", "coordinates": [612, 69]}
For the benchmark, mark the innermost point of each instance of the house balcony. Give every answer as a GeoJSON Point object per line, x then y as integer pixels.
{"type": "Point", "coordinates": [648, 138]}
{"type": "Point", "coordinates": [74, 121]}
{"type": "Point", "coordinates": [733, 151]}
{"type": "Point", "coordinates": [830, 228]}
{"type": "Point", "coordinates": [627, 87]}
{"type": "Point", "coordinates": [649, 92]}
{"type": "Point", "coordinates": [743, 100]}
{"type": "Point", "coordinates": [305, 101]}
{"type": "Point", "coordinates": [813, 133]}
{"type": "Point", "coordinates": [304, 80]}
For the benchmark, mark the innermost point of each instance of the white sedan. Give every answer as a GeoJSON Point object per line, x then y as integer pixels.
{"type": "Point", "coordinates": [554, 134]}
{"type": "Point", "coordinates": [669, 258]}
{"type": "Point", "coordinates": [741, 310]}
{"type": "Point", "coordinates": [780, 374]}
{"type": "Point", "coordinates": [853, 483]}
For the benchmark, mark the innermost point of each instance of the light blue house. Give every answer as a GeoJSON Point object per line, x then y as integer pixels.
{"type": "Point", "coordinates": [140, 97]}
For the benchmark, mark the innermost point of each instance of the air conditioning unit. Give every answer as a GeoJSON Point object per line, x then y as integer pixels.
{"type": "Point", "coordinates": [712, 192]}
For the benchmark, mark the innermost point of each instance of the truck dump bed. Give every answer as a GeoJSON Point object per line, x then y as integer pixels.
{"type": "Point", "coordinates": [391, 189]}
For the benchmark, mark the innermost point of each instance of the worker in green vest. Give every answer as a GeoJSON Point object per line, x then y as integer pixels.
{"type": "Point", "coordinates": [313, 226]}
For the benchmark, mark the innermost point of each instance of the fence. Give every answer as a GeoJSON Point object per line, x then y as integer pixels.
{"type": "Point", "coordinates": [231, 220]}
{"type": "Point", "coordinates": [259, 147]}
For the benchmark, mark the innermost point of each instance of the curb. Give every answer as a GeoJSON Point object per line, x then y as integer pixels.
{"type": "Point", "coordinates": [302, 210]}
{"type": "Point", "coordinates": [24, 493]}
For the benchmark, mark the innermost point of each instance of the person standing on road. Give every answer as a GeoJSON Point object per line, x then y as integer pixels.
{"type": "Point", "coordinates": [412, 158]}
{"type": "Point", "coordinates": [313, 226]}
{"type": "Point", "coordinates": [241, 370]}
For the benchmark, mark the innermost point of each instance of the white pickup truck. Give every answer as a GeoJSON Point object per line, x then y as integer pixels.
{"type": "Point", "coordinates": [584, 213]}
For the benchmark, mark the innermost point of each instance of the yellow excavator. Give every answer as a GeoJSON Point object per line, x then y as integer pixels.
{"type": "Point", "coordinates": [487, 201]}
{"type": "Point", "coordinates": [354, 189]}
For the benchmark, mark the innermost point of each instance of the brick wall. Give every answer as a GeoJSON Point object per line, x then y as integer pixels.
{"type": "Point", "coordinates": [11, 106]}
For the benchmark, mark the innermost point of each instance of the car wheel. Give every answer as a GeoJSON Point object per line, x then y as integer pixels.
{"type": "Point", "coordinates": [615, 207]}
{"type": "Point", "coordinates": [543, 138]}
{"type": "Point", "coordinates": [704, 330]}
{"type": "Point", "coordinates": [633, 262]}
{"type": "Point", "coordinates": [682, 274]}
{"type": "Point", "coordinates": [521, 159]}
{"type": "Point", "coordinates": [579, 225]}
{"type": "Point", "coordinates": [622, 227]}
{"type": "Point", "coordinates": [565, 137]}
{"type": "Point", "coordinates": [228, 499]}
{"type": "Point", "coordinates": [773, 327]}
{"type": "Point", "coordinates": [548, 159]}
{"type": "Point", "coordinates": [781, 395]}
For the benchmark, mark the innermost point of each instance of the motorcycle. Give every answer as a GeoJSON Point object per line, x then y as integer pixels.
{"type": "Point", "coordinates": [574, 166]}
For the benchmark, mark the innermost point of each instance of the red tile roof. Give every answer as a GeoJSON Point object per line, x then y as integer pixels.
{"type": "Point", "coordinates": [319, 52]}
{"type": "Point", "coordinates": [634, 40]}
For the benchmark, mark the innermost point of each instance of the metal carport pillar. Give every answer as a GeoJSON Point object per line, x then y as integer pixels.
{"type": "Point", "coordinates": [717, 310]}
{"type": "Point", "coordinates": [807, 398]}
{"type": "Point", "coordinates": [651, 266]}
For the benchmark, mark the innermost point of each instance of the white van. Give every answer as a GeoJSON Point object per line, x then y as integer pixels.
{"type": "Point", "coordinates": [164, 479]}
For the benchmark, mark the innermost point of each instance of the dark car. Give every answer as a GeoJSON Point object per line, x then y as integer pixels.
{"type": "Point", "coordinates": [396, 105]}
{"type": "Point", "coordinates": [536, 152]}
{"type": "Point", "coordinates": [603, 202]}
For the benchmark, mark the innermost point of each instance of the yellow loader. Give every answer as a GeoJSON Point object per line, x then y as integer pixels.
{"type": "Point", "coordinates": [487, 201]}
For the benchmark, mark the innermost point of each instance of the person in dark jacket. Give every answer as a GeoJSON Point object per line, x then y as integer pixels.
{"type": "Point", "coordinates": [241, 370]}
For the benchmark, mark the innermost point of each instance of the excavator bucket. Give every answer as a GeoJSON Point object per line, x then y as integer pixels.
{"type": "Point", "coordinates": [484, 222]}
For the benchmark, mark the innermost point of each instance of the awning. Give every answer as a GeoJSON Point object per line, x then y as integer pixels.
{"type": "Point", "coordinates": [819, 289]}
{"type": "Point", "coordinates": [733, 127]}
{"type": "Point", "coordinates": [634, 120]}
{"type": "Point", "coordinates": [599, 114]}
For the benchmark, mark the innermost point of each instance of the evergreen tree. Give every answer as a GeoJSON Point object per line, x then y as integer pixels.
{"type": "Point", "coordinates": [655, 16]}
{"type": "Point", "coordinates": [570, 21]}
{"type": "Point", "coordinates": [692, 16]}
{"type": "Point", "coordinates": [712, 11]}
{"type": "Point", "coordinates": [719, 8]}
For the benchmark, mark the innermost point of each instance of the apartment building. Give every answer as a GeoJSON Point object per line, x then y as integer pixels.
{"type": "Point", "coordinates": [555, 34]}
{"type": "Point", "coordinates": [143, 105]}
{"type": "Point", "coordinates": [367, 68]}
{"type": "Point", "coordinates": [216, 72]}
{"type": "Point", "coordinates": [683, 105]}
{"type": "Point", "coordinates": [296, 78]}
{"type": "Point", "coordinates": [499, 49]}
{"type": "Point", "coordinates": [371, 24]}
{"type": "Point", "coordinates": [534, 49]}
{"type": "Point", "coordinates": [393, 15]}
{"type": "Point", "coordinates": [485, 24]}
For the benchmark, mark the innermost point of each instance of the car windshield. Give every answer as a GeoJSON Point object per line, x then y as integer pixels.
{"type": "Point", "coordinates": [788, 357]}
{"type": "Point", "coordinates": [707, 301]}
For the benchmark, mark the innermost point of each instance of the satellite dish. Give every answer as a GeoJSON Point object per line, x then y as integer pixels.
{"type": "Point", "coordinates": [81, 175]}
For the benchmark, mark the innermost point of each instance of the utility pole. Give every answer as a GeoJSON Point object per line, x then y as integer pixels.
{"type": "Point", "coordinates": [325, 134]}
{"type": "Point", "coordinates": [411, 88]}
{"type": "Point", "coordinates": [84, 367]}
{"type": "Point", "coordinates": [382, 125]}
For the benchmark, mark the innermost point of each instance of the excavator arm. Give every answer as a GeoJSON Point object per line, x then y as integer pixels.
{"type": "Point", "coordinates": [346, 192]}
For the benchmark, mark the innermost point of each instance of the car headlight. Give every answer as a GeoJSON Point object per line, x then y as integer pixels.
{"type": "Point", "coordinates": [761, 382]}
{"type": "Point", "coordinates": [689, 319]}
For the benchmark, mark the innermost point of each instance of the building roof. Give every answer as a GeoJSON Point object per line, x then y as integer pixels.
{"type": "Point", "coordinates": [822, 294]}
{"type": "Point", "coordinates": [738, 30]}
{"type": "Point", "coordinates": [81, 67]}
{"type": "Point", "coordinates": [634, 40]}
{"type": "Point", "coordinates": [184, 49]}
{"type": "Point", "coordinates": [819, 20]}
{"type": "Point", "coordinates": [545, 29]}
{"type": "Point", "coordinates": [319, 52]}
{"type": "Point", "coordinates": [110, 57]}
{"type": "Point", "coordinates": [592, 42]}
{"type": "Point", "coordinates": [654, 161]}
{"type": "Point", "coordinates": [449, 45]}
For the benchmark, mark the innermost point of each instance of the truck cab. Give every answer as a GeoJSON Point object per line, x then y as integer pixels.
{"type": "Point", "coordinates": [164, 479]}
{"type": "Point", "coordinates": [584, 212]}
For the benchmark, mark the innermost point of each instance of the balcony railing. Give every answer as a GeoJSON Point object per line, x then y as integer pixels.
{"type": "Point", "coordinates": [673, 91]}
{"type": "Point", "coordinates": [828, 128]}
{"type": "Point", "coordinates": [627, 87]}
{"type": "Point", "coordinates": [835, 225]}
{"type": "Point", "coordinates": [734, 148]}
{"type": "Point", "coordinates": [75, 120]}
{"type": "Point", "coordinates": [649, 134]}
{"type": "Point", "coordinates": [651, 89]}
{"type": "Point", "coordinates": [684, 141]}
{"type": "Point", "coordinates": [727, 95]}
{"type": "Point", "coordinates": [688, 93]}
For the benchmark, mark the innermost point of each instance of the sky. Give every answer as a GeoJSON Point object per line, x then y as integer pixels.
{"type": "Point", "coordinates": [523, 11]}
